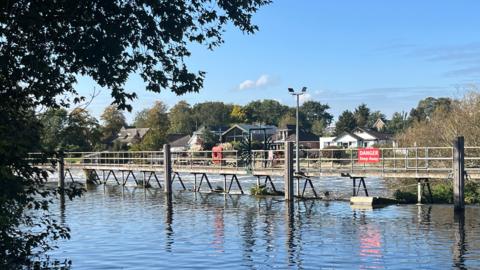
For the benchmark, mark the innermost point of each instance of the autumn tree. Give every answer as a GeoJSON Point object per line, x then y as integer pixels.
{"type": "Point", "coordinates": [238, 114]}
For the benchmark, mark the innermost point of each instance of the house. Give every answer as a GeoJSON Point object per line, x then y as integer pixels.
{"type": "Point", "coordinates": [238, 132]}
{"type": "Point", "coordinates": [180, 144]}
{"type": "Point", "coordinates": [326, 142]}
{"type": "Point", "coordinates": [129, 136]}
{"type": "Point", "coordinates": [287, 134]}
{"type": "Point", "coordinates": [359, 137]}
{"type": "Point", "coordinates": [379, 125]}
{"type": "Point", "coordinates": [197, 139]}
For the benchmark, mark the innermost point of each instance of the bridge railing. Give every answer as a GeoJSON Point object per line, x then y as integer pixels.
{"type": "Point", "coordinates": [206, 160]}
{"type": "Point", "coordinates": [124, 159]}
{"type": "Point", "coordinates": [313, 161]}
{"type": "Point", "coordinates": [408, 159]}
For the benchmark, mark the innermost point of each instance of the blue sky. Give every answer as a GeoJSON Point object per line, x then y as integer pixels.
{"type": "Point", "coordinates": [387, 54]}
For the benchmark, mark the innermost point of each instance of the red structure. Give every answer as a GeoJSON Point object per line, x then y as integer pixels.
{"type": "Point", "coordinates": [217, 154]}
{"type": "Point", "coordinates": [368, 155]}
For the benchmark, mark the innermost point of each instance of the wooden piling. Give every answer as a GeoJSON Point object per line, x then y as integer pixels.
{"type": "Point", "coordinates": [61, 170]}
{"type": "Point", "coordinates": [288, 175]}
{"type": "Point", "coordinates": [167, 166]}
{"type": "Point", "coordinates": [419, 191]}
{"type": "Point", "coordinates": [458, 173]}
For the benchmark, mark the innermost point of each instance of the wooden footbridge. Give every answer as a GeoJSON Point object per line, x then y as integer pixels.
{"type": "Point", "coordinates": [421, 163]}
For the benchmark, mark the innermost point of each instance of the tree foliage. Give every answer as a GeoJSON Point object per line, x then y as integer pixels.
{"type": "Point", "coordinates": [156, 119]}
{"type": "Point", "coordinates": [181, 118]}
{"type": "Point", "coordinates": [346, 122]}
{"type": "Point", "coordinates": [113, 120]}
{"type": "Point", "coordinates": [442, 126]}
{"type": "Point", "coordinates": [46, 45]}
{"type": "Point", "coordinates": [265, 111]}
{"type": "Point", "coordinates": [211, 114]}
{"type": "Point", "coordinates": [427, 107]}
{"type": "Point", "coordinates": [361, 115]}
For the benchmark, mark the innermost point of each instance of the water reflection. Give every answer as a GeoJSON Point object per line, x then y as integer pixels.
{"type": "Point", "coordinates": [168, 224]}
{"type": "Point", "coordinates": [459, 247]}
{"type": "Point", "coordinates": [248, 232]}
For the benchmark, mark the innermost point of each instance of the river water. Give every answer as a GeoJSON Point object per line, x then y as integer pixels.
{"type": "Point", "coordinates": [135, 228]}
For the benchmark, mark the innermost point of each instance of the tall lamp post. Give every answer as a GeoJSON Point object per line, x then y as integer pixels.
{"type": "Point", "coordinates": [297, 152]}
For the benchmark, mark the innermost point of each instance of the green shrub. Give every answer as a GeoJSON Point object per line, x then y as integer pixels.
{"type": "Point", "coordinates": [405, 196]}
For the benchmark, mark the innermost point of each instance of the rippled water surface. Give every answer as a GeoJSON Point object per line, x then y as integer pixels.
{"type": "Point", "coordinates": [133, 228]}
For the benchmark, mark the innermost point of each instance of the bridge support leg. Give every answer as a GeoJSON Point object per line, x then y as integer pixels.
{"type": "Point", "coordinates": [288, 175]}
{"type": "Point", "coordinates": [234, 177]}
{"type": "Point", "coordinates": [458, 174]}
{"type": "Point", "coordinates": [204, 175]}
{"type": "Point", "coordinates": [167, 159]}
{"type": "Point", "coordinates": [61, 171]}
{"type": "Point", "coordinates": [309, 181]}
{"type": "Point", "coordinates": [177, 175]}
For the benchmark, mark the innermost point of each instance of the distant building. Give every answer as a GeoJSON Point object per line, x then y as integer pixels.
{"type": "Point", "coordinates": [180, 144]}
{"type": "Point", "coordinates": [326, 142]}
{"type": "Point", "coordinates": [306, 139]}
{"type": "Point", "coordinates": [129, 136]}
{"type": "Point", "coordinates": [359, 137]}
{"type": "Point", "coordinates": [239, 132]}
{"type": "Point", "coordinates": [379, 125]}
{"type": "Point", "coordinates": [197, 139]}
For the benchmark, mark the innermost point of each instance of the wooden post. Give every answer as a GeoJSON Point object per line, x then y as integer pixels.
{"type": "Point", "coordinates": [419, 191]}
{"type": "Point", "coordinates": [458, 173]}
{"type": "Point", "coordinates": [288, 175]}
{"type": "Point", "coordinates": [167, 166]}
{"type": "Point", "coordinates": [61, 170]}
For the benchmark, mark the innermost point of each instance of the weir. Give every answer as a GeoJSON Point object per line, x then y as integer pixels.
{"type": "Point", "coordinates": [420, 163]}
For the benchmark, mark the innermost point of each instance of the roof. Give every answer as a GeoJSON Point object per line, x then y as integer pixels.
{"type": "Point", "coordinates": [130, 135]}
{"type": "Point", "coordinates": [248, 127]}
{"type": "Point", "coordinates": [358, 138]}
{"type": "Point", "coordinates": [181, 142]}
{"type": "Point", "coordinates": [376, 134]}
{"type": "Point", "coordinates": [303, 137]}
{"type": "Point", "coordinates": [175, 136]}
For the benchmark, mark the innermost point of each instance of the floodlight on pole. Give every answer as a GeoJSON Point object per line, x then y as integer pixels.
{"type": "Point", "coordinates": [297, 131]}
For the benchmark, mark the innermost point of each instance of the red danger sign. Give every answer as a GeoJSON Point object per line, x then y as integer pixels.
{"type": "Point", "coordinates": [368, 155]}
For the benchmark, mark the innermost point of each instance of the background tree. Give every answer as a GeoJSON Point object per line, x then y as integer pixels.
{"type": "Point", "coordinates": [238, 114]}
{"type": "Point", "coordinates": [318, 127]}
{"type": "Point", "coordinates": [398, 123]}
{"type": "Point", "coordinates": [265, 111]}
{"type": "Point", "coordinates": [361, 115]}
{"type": "Point", "coordinates": [45, 45]}
{"type": "Point", "coordinates": [113, 120]}
{"type": "Point", "coordinates": [155, 118]}
{"type": "Point", "coordinates": [346, 122]}
{"type": "Point", "coordinates": [53, 123]}
{"type": "Point", "coordinates": [211, 114]}
{"type": "Point", "coordinates": [82, 132]}
{"type": "Point", "coordinates": [374, 116]}
{"type": "Point", "coordinates": [181, 118]}
{"type": "Point", "coordinates": [426, 107]}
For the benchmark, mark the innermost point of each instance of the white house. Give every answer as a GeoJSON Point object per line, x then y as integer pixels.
{"type": "Point", "coordinates": [359, 137]}
{"type": "Point", "coordinates": [326, 142]}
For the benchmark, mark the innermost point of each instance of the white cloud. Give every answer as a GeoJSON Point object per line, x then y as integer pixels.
{"type": "Point", "coordinates": [262, 82]}
{"type": "Point", "coordinates": [305, 97]}
{"type": "Point", "coordinates": [246, 85]}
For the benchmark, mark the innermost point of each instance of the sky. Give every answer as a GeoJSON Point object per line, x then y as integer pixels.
{"type": "Point", "coordinates": [386, 54]}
